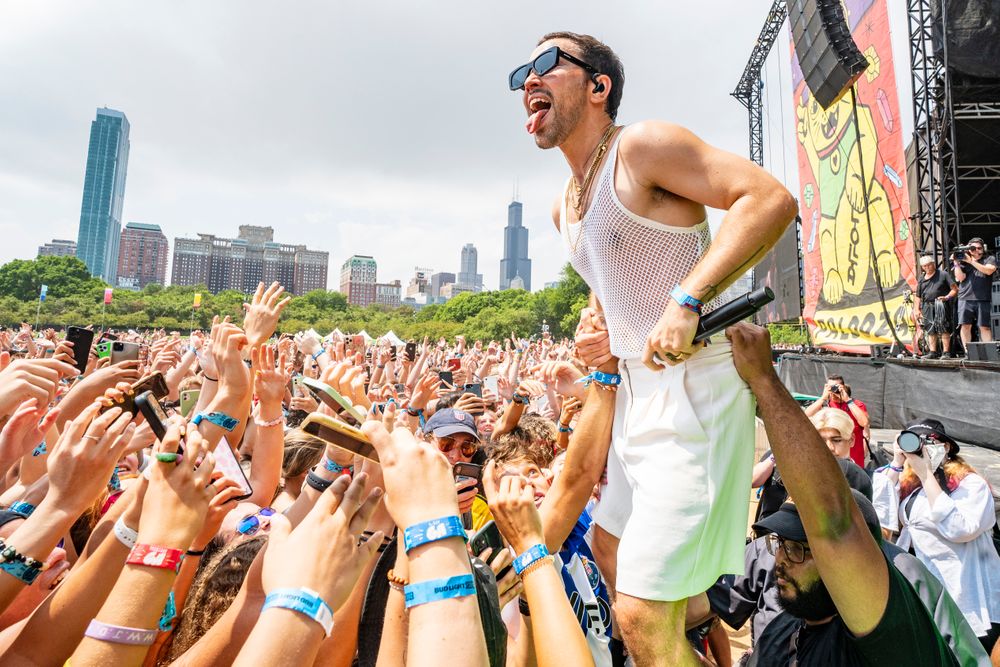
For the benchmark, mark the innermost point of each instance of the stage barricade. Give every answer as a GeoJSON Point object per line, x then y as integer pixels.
{"type": "Point", "coordinates": [962, 397]}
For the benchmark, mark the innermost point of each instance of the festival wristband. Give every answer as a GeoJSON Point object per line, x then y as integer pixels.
{"type": "Point", "coordinates": [439, 589]}
{"type": "Point", "coordinates": [685, 300]}
{"type": "Point", "coordinates": [607, 379]}
{"type": "Point", "coordinates": [318, 354]}
{"type": "Point", "coordinates": [336, 468]}
{"type": "Point", "coordinates": [220, 419]}
{"type": "Point", "coordinates": [565, 429]}
{"type": "Point", "coordinates": [303, 600]}
{"type": "Point", "coordinates": [125, 535]}
{"type": "Point", "coordinates": [432, 531]}
{"type": "Point", "coordinates": [21, 570]}
{"type": "Point", "coordinates": [151, 555]}
{"type": "Point", "coordinates": [119, 634]}
{"type": "Point", "coordinates": [22, 507]}
{"type": "Point", "coordinates": [525, 559]}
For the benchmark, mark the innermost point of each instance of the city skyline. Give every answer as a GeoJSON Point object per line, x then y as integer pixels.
{"type": "Point", "coordinates": [515, 267]}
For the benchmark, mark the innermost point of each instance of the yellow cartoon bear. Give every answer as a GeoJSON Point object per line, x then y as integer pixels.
{"type": "Point", "coordinates": [835, 152]}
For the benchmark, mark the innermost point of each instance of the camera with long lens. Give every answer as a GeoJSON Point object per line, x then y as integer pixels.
{"type": "Point", "coordinates": [910, 442]}
{"type": "Point", "coordinates": [960, 253]}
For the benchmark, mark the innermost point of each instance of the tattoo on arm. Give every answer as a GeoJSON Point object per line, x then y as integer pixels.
{"type": "Point", "coordinates": [710, 291]}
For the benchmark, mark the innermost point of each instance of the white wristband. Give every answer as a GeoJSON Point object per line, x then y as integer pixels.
{"type": "Point", "coordinates": [125, 535]}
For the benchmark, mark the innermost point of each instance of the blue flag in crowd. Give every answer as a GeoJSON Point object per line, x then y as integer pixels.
{"type": "Point", "coordinates": [45, 290]}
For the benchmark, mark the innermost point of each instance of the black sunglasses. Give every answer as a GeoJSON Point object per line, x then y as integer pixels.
{"type": "Point", "coordinates": [543, 64]}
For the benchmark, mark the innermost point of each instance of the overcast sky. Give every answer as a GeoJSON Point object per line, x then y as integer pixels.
{"type": "Point", "coordinates": [373, 128]}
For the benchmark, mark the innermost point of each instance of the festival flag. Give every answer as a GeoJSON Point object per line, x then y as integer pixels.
{"type": "Point", "coordinates": [107, 295]}
{"type": "Point", "coordinates": [45, 290]}
{"type": "Point", "coordinates": [197, 300]}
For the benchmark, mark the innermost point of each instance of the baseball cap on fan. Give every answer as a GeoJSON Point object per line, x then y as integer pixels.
{"type": "Point", "coordinates": [451, 421]}
{"type": "Point", "coordinates": [934, 429]}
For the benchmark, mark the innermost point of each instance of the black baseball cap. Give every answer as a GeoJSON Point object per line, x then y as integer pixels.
{"type": "Point", "coordinates": [787, 523]}
{"type": "Point", "coordinates": [935, 429]}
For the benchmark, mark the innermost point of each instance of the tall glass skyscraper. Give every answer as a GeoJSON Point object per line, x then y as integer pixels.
{"type": "Point", "coordinates": [515, 262]}
{"type": "Point", "coordinates": [468, 276]}
{"type": "Point", "coordinates": [104, 194]}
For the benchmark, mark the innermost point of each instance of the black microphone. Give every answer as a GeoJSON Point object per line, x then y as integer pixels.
{"type": "Point", "coordinates": [738, 309]}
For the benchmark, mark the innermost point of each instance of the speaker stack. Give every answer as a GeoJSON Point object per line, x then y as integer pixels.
{"type": "Point", "coordinates": [830, 60]}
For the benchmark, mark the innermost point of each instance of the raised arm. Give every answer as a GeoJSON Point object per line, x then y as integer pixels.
{"type": "Point", "coordinates": [838, 537]}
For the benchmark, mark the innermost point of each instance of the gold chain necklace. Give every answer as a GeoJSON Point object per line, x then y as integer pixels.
{"type": "Point", "coordinates": [581, 190]}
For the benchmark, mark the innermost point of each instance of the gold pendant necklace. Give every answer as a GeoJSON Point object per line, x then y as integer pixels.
{"type": "Point", "coordinates": [582, 190]}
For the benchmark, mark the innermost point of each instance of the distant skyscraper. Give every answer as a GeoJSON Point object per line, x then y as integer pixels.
{"type": "Point", "coordinates": [439, 280]}
{"type": "Point", "coordinates": [58, 248]}
{"type": "Point", "coordinates": [142, 256]}
{"type": "Point", "coordinates": [515, 262]}
{"type": "Point", "coordinates": [467, 277]}
{"type": "Point", "coordinates": [241, 263]}
{"type": "Point", "coordinates": [104, 194]}
{"type": "Point", "coordinates": [357, 280]}
{"type": "Point", "coordinates": [388, 294]}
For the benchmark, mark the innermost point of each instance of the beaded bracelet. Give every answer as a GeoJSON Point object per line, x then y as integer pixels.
{"type": "Point", "coordinates": [537, 565]}
{"type": "Point", "coordinates": [535, 553]}
{"type": "Point", "coordinates": [119, 634]}
{"type": "Point", "coordinates": [303, 600]}
{"type": "Point", "coordinates": [396, 583]}
{"type": "Point", "coordinates": [439, 589]}
{"type": "Point", "coordinates": [431, 531]}
{"type": "Point", "coordinates": [280, 419]}
{"type": "Point", "coordinates": [9, 554]}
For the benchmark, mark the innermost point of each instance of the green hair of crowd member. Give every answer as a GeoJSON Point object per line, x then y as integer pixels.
{"type": "Point", "coordinates": [521, 445]}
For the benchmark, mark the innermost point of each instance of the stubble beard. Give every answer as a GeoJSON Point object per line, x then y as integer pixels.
{"type": "Point", "coordinates": [561, 124]}
{"type": "Point", "coordinates": [810, 604]}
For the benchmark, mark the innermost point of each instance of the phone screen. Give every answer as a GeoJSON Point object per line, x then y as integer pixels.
{"type": "Point", "coordinates": [82, 339]}
{"type": "Point", "coordinates": [446, 376]}
{"type": "Point", "coordinates": [226, 463]}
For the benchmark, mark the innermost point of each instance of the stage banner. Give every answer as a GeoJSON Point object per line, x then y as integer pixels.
{"type": "Point", "coordinates": [840, 160]}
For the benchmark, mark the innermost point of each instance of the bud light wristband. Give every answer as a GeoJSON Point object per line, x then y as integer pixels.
{"type": "Point", "coordinates": [432, 531]}
{"type": "Point", "coordinates": [119, 634]}
{"type": "Point", "coordinates": [537, 552]}
{"type": "Point", "coordinates": [303, 600]}
{"type": "Point", "coordinates": [439, 589]}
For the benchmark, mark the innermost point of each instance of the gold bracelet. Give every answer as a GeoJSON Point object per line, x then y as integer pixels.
{"type": "Point", "coordinates": [396, 583]}
{"type": "Point", "coordinates": [537, 565]}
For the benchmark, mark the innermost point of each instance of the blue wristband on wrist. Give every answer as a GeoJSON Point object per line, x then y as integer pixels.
{"type": "Point", "coordinates": [432, 531]}
{"type": "Point", "coordinates": [220, 419]}
{"type": "Point", "coordinates": [607, 379]}
{"type": "Point", "coordinates": [303, 600]}
{"type": "Point", "coordinates": [21, 570]}
{"type": "Point", "coordinates": [537, 552]}
{"type": "Point", "coordinates": [439, 589]}
{"type": "Point", "coordinates": [685, 300]}
{"type": "Point", "coordinates": [336, 468]}
{"type": "Point", "coordinates": [318, 354]}
{"type": "Point", "coordinates": [22, 507]}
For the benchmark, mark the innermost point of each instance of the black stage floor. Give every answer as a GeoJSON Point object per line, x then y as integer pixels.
{"type": "Point", "coordinates": [963, 395]}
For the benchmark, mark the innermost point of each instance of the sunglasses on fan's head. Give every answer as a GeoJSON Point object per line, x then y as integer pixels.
{"type": "Point", "coordinates": [250, 525]}
{"type": "Point", "coordinates": [544, 63]}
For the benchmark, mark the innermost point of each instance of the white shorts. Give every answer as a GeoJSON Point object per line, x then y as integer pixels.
{"type": "Point", "coordinates": [677, 496]}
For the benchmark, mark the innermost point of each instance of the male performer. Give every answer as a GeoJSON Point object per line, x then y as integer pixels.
{"type": "Point", "coordinates": [633, 217]}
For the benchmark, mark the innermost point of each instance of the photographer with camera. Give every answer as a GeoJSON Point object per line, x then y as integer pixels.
{"type": "Point", "coordinates": [945, 512]}
{"type": "Point", "coordinates": [837, 394]}
{"type": "Point", "coordinates": [974, 275]}
{"type": "Point", "coordinates": [931, 307]}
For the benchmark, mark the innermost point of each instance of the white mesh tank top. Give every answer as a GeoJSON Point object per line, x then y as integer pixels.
{"type": "Point", "coordinates": [630, 262]}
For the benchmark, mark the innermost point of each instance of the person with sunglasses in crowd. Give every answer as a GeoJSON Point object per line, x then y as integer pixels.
{"type": "Point", "coordinates": [974, 273]}
{"type": "Point", "coordinates": [845, 602]}
{"type": "Point", "coordinates": [454, 434]}
{"type": "Point", "coordinates": [633, 219]}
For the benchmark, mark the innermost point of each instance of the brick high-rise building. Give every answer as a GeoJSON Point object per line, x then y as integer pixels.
{"type": "Point", "coordinates": [389, 294]}
{"type": "Point", "coordinates": [241, 263]}
{"type": "Point", "coordinates": [142, 256]}
{"type": "Point", "coordinates": [357, 280]}
{"type": "Point", "coordinates": [58, 248]}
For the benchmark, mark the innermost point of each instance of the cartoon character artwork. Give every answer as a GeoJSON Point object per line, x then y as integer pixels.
{"type": "Point", "coordinates": [842, 157]}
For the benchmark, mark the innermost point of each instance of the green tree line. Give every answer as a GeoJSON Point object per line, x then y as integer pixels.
{"type": "Point", "coordinates": [76, 298]}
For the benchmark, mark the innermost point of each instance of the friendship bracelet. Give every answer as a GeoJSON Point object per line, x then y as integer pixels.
{"type": "Point", "coordinates": [280, 419]}
{"type": "Point", "coordinates": [685, 300]}
{"type": "Point", "coordinates": [22, 507]}
{"type": "Point", "coordinates": [431, 531]}
{"type": "Point", "coordinates": [125, 535]}
{"type": "Point", "coordinates": [396, 583]}
{"type": "Point", "coordinates": [535, 553]}
{"type": "Point", "coordinates": [151, 555]}
{"type": "Point", "coordinates": [9, 554]}
{"type": "Point", "coordinates": [316, 482]}
{"type": "Point", "coordinates": [119, 634]}
{"type": "Point", "coordinates": [537, 565]}
{"type": "Point", "coordinates": [303, 600]}
{"type": "Point", "coordinates": [439, 589]}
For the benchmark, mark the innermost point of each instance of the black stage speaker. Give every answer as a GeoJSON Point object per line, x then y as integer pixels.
{"type": "Point", "coordinates": [983, 351]}
{"type": "Point", "coordinates": [830, 60]}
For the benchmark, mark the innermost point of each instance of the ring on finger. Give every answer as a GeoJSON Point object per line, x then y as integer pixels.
{"type": "Point", "coordinates": [168, 457]}
{"type": "Point", "coordinates": [94, 437]}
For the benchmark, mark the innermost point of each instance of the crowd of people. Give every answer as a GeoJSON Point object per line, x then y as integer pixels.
{"type": "Point", "coordinates": [228, 533]}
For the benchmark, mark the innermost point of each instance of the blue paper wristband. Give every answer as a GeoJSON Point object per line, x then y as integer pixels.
{"type": "Point", "coordinates": [537, 552]}
{"type": "Point", "coordinates": [303, 600]}
{"type": "Point", "coordinates": [22, 507]}
{"type": "Point", "coordinates": [432, 531]}
{"type": "Point", "coordinates": [439, 589]}
{"type": "Point", "coordinates": [685, 300]}
{"type": "Point", "coordinates": [21, 571]}
{"type": "Point", "coordinates": [608, 379]}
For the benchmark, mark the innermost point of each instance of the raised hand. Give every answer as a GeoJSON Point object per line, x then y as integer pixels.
{"type": "Point", "coordinates": [228, 341]}
{"type": "Point", "coordinates": [570, 407]}
{"type": "Point", "coordinates": [177, 499]}
{"type": "Point", "coordinates": [263, 311]}
{"type": "Point", "coordinates": [324, 553]}
{"type": "Point", "coordinates": [24, 431]}
{"type": "Point", "coordinates": [224, 491]}
{"type": "Point", "coordinates": [270, 379]}
{"type": "Point", "coordinates": [470, 403]}
{"type": "Point", "coordinates": [562, 375]}
{"type": "Point", "coordinates": [510, 586]}
{"type": "Point", "coordinates": [31, 378]}
{"type": "Point", "coordinates": [512, 503]}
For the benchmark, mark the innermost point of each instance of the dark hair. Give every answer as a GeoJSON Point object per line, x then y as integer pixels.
{"type": "Point", "coordinates": [840, 378]}
{"type": "Point", "coordinates": [598, 55]}
{"type": "Point", "coordinates": [519, 444]}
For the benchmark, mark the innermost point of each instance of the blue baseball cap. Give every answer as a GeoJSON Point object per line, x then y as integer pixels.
{"type": "Point", "coordinates": [451, 421]}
